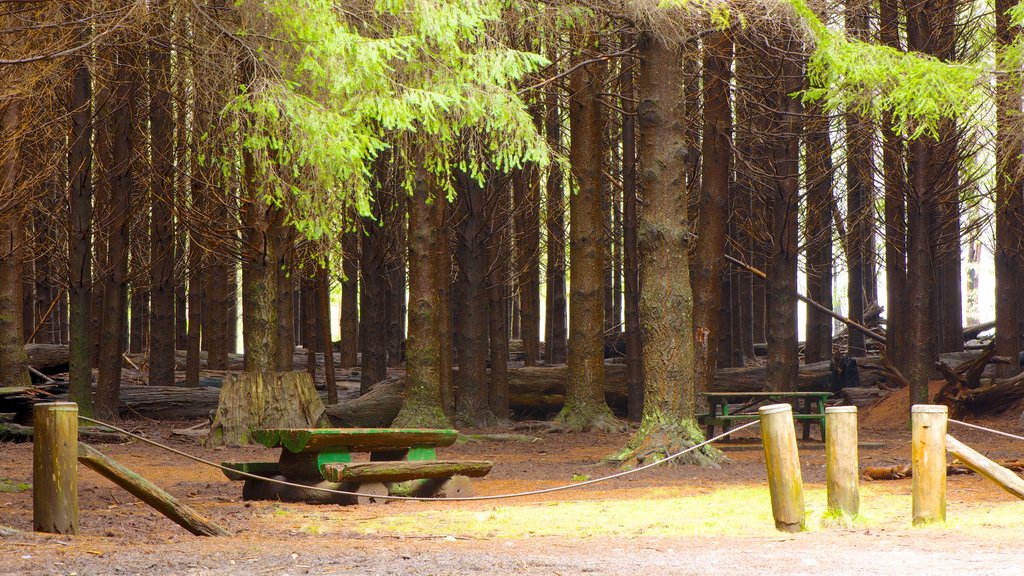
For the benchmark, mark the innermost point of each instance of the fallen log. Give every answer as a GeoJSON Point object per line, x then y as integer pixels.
{"type": "Point", "coordinates": [1001, 475]}
{"type": "Point", "coordinates": [904, 471]}
{"type": "Point", "coordinates": [168, 402]}
{"type": "Point", "coordinates": [149, 493]}
{"type": "Point", "coordinates": [18, 433]}
{"type": "Point", "coordinates": [48, 358]}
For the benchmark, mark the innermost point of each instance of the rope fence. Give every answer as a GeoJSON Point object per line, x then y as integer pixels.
{"type": "Point", "coordinates": [423, 498]}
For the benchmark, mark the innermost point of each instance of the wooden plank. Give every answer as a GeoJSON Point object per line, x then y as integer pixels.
{"type": "Point", "coordinates": [355, 439]}
{"type": "Point", "coordinates": [1003, 477]}
{"type": "Point", "coordinates": [765, 394]}
{"type": "Point", "coordinates": [401, 471]}
{"type": "Point", "coordinates": [149, 493]}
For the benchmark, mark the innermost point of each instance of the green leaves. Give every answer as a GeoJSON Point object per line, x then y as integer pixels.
{"type": "Point", "coordinates": [348, 80]}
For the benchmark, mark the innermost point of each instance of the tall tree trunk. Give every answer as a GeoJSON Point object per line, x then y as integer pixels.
{"type": "Point", "coordinates": [396, 279]}
{"type": "Point", "coordinates": [712, 222]}
{"type": "Point", "coordinates": [373, 301]}
{"type": "Point", "coordinates": [585, 407]}
{"type": "Point", "coordinates": [472, 404]}
{"type": "Point", "coordinates": [1009, 200]}
{"type": "Point", "coordinates": [894, 181]}
{"type": "Point", "coordinates": [285, 298]}
{"type": "Point", "coordinates": [666, 299]}
{"type": "Point", "coordinates": [818, 235]}
{"type": "Point", "coordinates": [115, 301]}
{"type": "Point", "coordinates": [556, 327]}
{"type": "Point", "coordinates": [79, 239]}
{"type": "Point", "coordinates": [498, 276]}
{"type": "Point", "coordinates": [631, 269]}
{"type": "Point", "coordinates": [526, 186]}
{"type": "Point", "coordinates": [424, 401]}
{"type": "Point", "coordinates": [13, 360]}
{"type": "Point", "coordinates": [161, 258]}
{"type": "Point", "coordinates": [323, 290]}
{"type": "Point", "coordinates": [859, 192]}
{"type": "Point", "coordinates": [783, 207]}
{"type": "Point", "coordinates": [349, 304]}
{"type": "Point", "coordinates": [309, 305]}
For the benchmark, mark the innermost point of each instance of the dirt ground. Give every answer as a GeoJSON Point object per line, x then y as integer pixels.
{"type": "Point", "coordinates": [625, 526]}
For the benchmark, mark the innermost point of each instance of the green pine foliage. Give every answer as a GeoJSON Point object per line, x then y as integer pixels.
{"type": "Point", "coordinates": [341, 82]}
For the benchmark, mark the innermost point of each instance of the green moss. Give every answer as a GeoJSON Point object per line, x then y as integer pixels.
{"type": "Point", "coordinates": [13, 486]}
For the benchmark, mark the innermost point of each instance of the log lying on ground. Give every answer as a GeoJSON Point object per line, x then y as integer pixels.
{"type": "Point", "coordinates": [904, 471]}
{"type": "Point", "coordinates": [149, 493]}
{"type": "Point", "coordinates": [168, 402]}
{"type": "Point", "coordinates": [1001, 475]}
{"type": "Point", "coordinates": [19, 433]}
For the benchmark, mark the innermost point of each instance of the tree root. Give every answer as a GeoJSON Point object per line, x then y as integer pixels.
{"type": "Point", "coordinates": [658, 441]}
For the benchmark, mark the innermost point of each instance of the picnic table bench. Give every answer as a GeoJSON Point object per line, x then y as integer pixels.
{"type": "Point", "coordinates": [724, 408]}
{"type": "Point", "coordinates": [400, 460]}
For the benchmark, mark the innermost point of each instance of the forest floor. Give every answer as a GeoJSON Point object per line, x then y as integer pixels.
{"type": "Point", "coordinates": [666, 520]}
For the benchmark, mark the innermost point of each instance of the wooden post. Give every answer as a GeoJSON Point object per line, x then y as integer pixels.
{"type": "Point", "coordinates": [841, 464]}
{"type": "Point", "coordinates": [928, 462]}
{"type": "Point", "coordinates": [1006, 479]}
{"type": "Point", "coordinates": [785, 482]}
{"type": "Point", "coordinates": [55, 468]}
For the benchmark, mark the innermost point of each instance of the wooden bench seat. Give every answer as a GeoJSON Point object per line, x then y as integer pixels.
{"type": "Point", "coordinates": [400, 471]}
{"type": "Point", "coordinates": [353, 439]}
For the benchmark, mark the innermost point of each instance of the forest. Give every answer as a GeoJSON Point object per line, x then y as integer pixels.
{"type": "Point", "coordinates": [482, 183]}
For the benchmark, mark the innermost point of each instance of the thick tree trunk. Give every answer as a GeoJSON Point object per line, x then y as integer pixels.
{"type": "Point", "coordinates": [285, 273]}
{"type": "Point", "coordinates": [783, 207]}
{"type": "Point", "coordinates": [499, 248]}
{"type": "Point", "coordinates": [13, 361]}
{"type": "Point", "coordinates": [526, 186]}
{"type": "Point", "coordinates": [79, 239]}
{"type": "Point", "coordinates": [818, 234]}
{"type": "Point", "coordinates": [1009, 201]}
{"type": "Point", "coordinates": [396, 279]}
{"type": "Point", "coordinates": [471, 405]}
{"type": "Point", "coordinates": [424, 395]}
{"type": "Point", "coordinates": [115, 288]}
{"type": "Point", "coordinates": [585, 407]}
{"type": "Point", "coordinates": [161, 248]}
{"type": "Point", "coordinates": [712, 219]}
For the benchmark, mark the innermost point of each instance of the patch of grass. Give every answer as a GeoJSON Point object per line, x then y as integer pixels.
{"type": "Point", "coordinates": [12, 486]}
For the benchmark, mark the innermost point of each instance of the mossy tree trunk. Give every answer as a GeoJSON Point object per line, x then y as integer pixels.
{"type": "Point", "coordinates": [666, 300]}
{"type": "Point", "coordinates": [424, 398]}
{"type": "Point", "coordinates": [585, 407]}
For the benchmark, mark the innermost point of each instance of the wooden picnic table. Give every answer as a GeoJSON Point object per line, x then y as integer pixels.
{"type": "Point", "coordinates": [312, 455]}
{"type": "Point", "coordinates": [724, 408]}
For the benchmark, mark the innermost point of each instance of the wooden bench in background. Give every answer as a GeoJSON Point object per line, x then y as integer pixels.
{"type": "Point", "coordinates": [726, 408]}
{"type": "Point", "coordinates": [401, 462]}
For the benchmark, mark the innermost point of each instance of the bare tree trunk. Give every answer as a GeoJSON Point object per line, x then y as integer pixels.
{"type": "Point", "coordinates": [13, 360]}
{"type": "Point", "coordinates": [555, 207]}
{"type": "Point", "coordinates": [79, 240]}
{"type": "Point", "coordinates": [1009, 202]}
{"type": "Point", "coordinates": [323, 290]}
{"type": "Point", "coordinates": [396, 279]}
{"type": "Point", "coordinates": [634, 346]}
{"type": "Point", "coordinates": [349, 304]}
{"type": "Point", "coordinates": [115, 312]}
{"type": "Point", "coordinates": [161, 258]}
{"type": "Point", "coordinates": [498, 276]}
{"type": "Point", "coordinates": [373, 302]}
{"type": "Point", "coordinates": [783, 206]}
{"type": "Point", "coordinates": [472, 405]}
{"type": "Point", "coordinates": [585, 407]}
{"type": "Point", "coordinates": [424, 404]}
{"type": "Point", "coordinates": [285, 298]}
{"type": "Point", "coordinates": [712, 222]}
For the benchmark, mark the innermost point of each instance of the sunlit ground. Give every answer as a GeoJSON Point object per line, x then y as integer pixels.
{"type": "Point", "coordinates": [741, 511]}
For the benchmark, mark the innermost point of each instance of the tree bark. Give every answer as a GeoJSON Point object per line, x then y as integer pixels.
{"type": "Point", "coordinates": [79, 239]}
{"type": "Point", "coordinates": [526, 186]}
{"type": "Point", "coordinates": [323, 292]}
{"type": "Point", "coordinates": [472, 406]}
{"type": "Point", "coordinates": [115, 301]}
{"type": "Point", "coordinates": [712, 219]}
{"type": "Point", "coordinates": [373, 301]}
{"type": "Point", "coordinates": [396, 278]}
{"type": "Point", "coordinates": [424, 350]}
{"type": "Point", "coordinates": [631, 276]}
{"type": "Point", "coordinates": [349, 304]}
{"type": "Point", "coordinates": [1009, 202]}
{"type": "Point", "coordinates": [498, 278]}
{"type": "Point", "coordinates": [161, 255]}
{"type": "Point", "coordinates": [13, 361]}
{"type": "Point", "coordinates": [783, 207]}
{"type": "Point", "coordinates": [585, 407]}
{"type": "Point", "coordinates": [556, 326]}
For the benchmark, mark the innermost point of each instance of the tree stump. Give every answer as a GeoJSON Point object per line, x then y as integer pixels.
{"type": "Point", "coordinates": [251, 401]}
